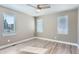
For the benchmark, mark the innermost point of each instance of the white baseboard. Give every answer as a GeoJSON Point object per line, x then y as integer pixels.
{"type": "Point", "coordinates": [52, 40]}
{"type": "Point", "coordinates": [4, 46]}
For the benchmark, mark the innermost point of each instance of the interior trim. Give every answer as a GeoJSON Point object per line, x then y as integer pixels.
{"type": "Point", "coordinates": [7, 45]}
{"type": "Point", "coordinates": [41, 38]}
{"type": "Point", "coordinates": [52, 40]}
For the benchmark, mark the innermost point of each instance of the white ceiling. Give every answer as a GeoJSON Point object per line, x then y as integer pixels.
{"type": "Point", "coordinates": [32, 11]}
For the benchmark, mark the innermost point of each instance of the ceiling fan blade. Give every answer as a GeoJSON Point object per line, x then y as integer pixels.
{"type": "Point", "coordinates": [40, 6]}
{"type": "Point", "coordinates": [32, 6]}
{"type": "Point", "coordinates": [43, 6]}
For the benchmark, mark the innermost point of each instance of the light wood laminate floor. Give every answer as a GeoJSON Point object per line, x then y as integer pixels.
{"type": "Point", "coordinates": [55, 48]}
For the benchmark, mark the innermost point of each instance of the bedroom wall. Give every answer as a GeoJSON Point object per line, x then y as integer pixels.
{"type": "Point", "coordinates": [50, 26]}
{"type": "Point", "coordinates": [24, 26]}
{"type": "Point", "coordinates": [78, 28]}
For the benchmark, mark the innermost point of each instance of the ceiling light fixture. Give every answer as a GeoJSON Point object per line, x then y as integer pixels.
{"type": "Point", "coordinates": [38, 10]}
{"type": "Point", "coordinates": [39, 7]}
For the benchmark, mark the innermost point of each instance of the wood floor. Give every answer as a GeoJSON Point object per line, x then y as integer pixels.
{"type": "Point", "coordinates": [55, 48]}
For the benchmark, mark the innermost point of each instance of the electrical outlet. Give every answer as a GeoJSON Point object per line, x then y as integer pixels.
{"type": "Point", "coordinates": [8, 40]}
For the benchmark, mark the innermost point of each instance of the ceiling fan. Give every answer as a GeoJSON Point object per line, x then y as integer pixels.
{"type": "Point", "coordinates": [39, 7]}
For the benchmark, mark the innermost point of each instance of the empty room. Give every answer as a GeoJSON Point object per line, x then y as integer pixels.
{"type": "Point", "coordinates": [39, 28]}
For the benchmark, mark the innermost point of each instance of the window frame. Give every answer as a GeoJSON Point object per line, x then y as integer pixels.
{"type": "Point", "coordinates": [66, 18]}
{"type": "Point", "coordinates": [9, 33]}
{"type": "Point", "coordinates": [42, 28]}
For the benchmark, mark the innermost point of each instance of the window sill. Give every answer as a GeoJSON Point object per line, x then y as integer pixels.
{"type": "Point", "coordinates": [9, 34]}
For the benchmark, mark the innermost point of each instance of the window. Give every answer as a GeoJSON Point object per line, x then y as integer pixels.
{"type": "Point", "coordinates": [39, 25]}
{"type": "Point", "coordinates": [62, 25]}
{"type": "Point", "coordinates": [8, 23]}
